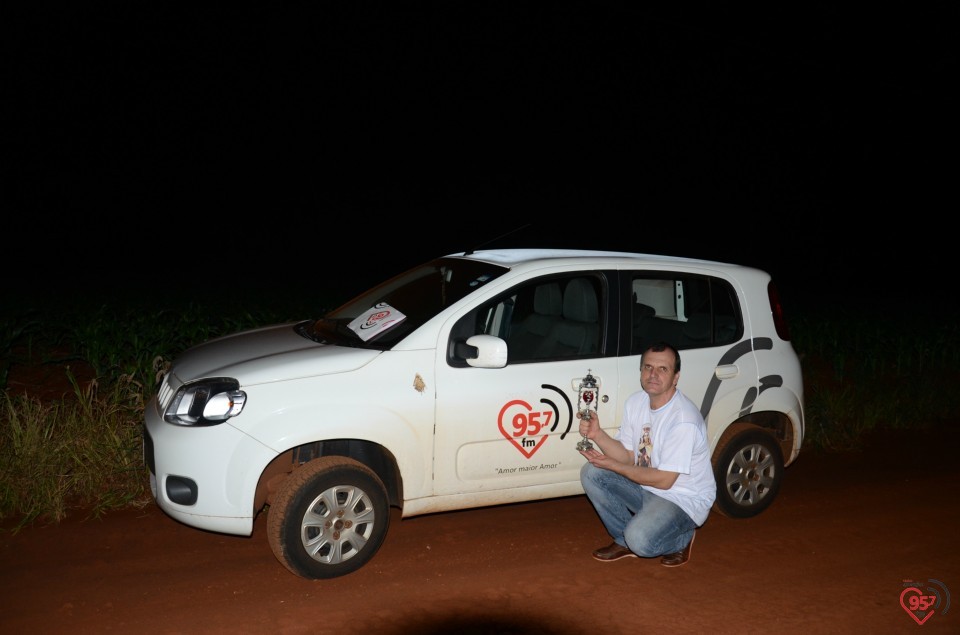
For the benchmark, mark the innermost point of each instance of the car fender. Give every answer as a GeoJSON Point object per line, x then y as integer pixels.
{"type": "Point", "coordinates": [397, 415]}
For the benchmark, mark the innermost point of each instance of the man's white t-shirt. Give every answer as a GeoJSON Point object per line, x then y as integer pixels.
{"type": "Point", "coordinates": [676, 441]}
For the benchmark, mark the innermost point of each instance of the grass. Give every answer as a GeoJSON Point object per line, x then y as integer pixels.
{"type": "Point", "coordinates": [872, 373]}
{"type": "Point", "coordinates": [83, 452]}
{"type": "Point", "coordinates": [862, 375]}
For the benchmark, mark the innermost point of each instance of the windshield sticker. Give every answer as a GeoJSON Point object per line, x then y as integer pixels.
{"type": "Point", "coordinates": [375, 321]}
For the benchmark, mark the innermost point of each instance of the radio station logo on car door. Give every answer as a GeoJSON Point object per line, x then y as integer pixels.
{"type": "Point", "coordinates": [528, 428]}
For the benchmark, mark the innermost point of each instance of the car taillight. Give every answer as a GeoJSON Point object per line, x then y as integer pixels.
{"type": "Point", "coordinates": [776, 308]}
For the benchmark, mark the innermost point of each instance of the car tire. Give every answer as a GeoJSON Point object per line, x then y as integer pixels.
{"type": "Point", "coordinates": [748, 467]}
{"type": "Point", "coordinates": [329, 518]}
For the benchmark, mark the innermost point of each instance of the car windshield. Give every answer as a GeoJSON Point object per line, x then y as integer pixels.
{"type": "Point", "coordinates": [411, 298]}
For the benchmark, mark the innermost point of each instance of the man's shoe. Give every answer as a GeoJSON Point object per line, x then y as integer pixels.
{"type": "Point", "coordinates": [680, 557]}
{"type": "Point", "coordinates": [612, 552]}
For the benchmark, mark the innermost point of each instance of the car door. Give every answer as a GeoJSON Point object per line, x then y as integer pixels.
{"type": "Point", "coordinates": [698, 312]}
{"type": "Point", "coordinates": [510, 434]}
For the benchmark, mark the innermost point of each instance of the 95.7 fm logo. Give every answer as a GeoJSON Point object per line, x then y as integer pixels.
{"type": "Point", "coordinates": [922, 599]}
{"type": "Point", "coordinates": [527, 426]}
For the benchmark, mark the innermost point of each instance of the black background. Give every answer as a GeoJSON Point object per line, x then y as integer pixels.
{"type": "Point", "coordinates": [167, 150]}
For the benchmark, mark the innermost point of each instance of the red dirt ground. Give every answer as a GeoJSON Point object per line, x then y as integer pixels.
{"type": "Point", "coordinates": [851, 540]}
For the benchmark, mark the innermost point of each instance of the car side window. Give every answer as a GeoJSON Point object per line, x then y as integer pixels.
{"type": "Point", "coordinates": [552, 318]}
{"type": "Point", "coordinates": [684, 310]}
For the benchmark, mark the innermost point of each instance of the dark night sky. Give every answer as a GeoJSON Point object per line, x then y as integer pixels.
{"type": "Point", "coordinates": [271, 144]}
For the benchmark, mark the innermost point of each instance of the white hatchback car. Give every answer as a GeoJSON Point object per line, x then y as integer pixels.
{"type": "Point", "coordinates": [455, 385]}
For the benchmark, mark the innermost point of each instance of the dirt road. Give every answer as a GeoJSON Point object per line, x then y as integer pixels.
{"type": "Point", "coordinates": [838, 552]}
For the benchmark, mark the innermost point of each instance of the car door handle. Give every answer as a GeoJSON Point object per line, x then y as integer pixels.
{"type": "Point", "coordinates": [727, 371]}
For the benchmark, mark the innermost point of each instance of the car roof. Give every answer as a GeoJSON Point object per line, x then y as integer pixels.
{"type": "Point", "coordinates": [513, 257]}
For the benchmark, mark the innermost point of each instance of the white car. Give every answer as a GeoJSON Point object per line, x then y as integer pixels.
{"type": "Point", "coordinates": [455, 385]}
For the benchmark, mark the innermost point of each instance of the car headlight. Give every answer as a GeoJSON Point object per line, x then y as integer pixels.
{"type": "Point", "coordinates": [207, 402]}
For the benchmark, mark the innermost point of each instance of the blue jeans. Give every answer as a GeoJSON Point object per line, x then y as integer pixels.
{"type": "Point", "coordinates": [638, 519]}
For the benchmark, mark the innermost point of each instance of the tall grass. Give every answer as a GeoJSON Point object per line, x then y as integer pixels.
{"type": "Point", "coordinates": [84, 452]}
{"type": "Point", "coordinates": [862, 374]}
{"type": "Point", "coordinates": [865, 373]}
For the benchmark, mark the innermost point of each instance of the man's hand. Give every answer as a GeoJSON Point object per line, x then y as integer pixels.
{"type": "Point", "coordinates": [601, 460]}
{"type": "Point", "coordinates": [608, 453]}
{"type": "Point", "coordinates": [589, 427]}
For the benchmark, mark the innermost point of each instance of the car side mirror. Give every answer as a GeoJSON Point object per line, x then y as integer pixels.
{"type": "Point", "coordinates": [491, 351]}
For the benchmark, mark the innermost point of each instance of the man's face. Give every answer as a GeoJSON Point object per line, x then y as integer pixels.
{"type": "Point", "coordinates": [657, 376]}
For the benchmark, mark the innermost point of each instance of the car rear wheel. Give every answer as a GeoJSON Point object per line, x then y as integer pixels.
{"type": "Point", "coordinates": [329, 518]}
{"type": "Point", "coordinates": [748, 468]}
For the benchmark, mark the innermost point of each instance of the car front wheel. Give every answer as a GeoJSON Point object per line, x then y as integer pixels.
{"type": "Point", "coordinates": [329, 518]}
{"type": "Point", "coordinates": [748, 468]}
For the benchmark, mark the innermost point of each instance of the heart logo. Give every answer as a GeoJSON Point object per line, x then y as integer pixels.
{"type": "Point", "coordinates": [911, 599]}
{"type": "Point", "coordinates": [525, 427]}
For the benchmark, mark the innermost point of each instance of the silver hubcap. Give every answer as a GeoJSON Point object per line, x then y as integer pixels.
{"type": "Point", "coordinates": [337, 524]}
{"type": "Point", "coordinates": [750, 475]}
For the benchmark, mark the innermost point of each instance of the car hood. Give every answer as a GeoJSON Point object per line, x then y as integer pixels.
{"type": "Point", "coordinates": [273, 353]}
